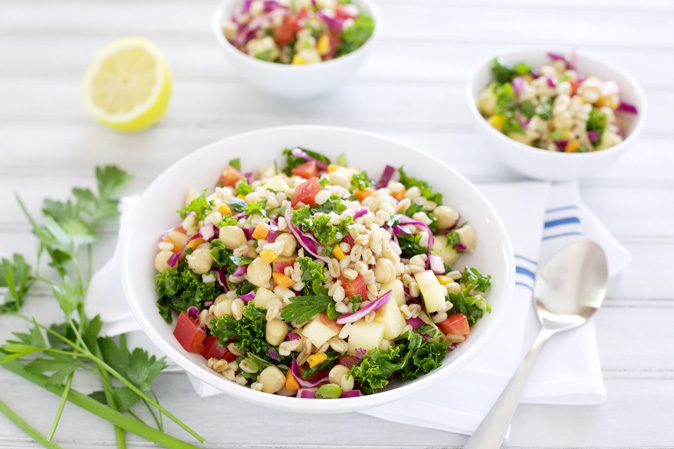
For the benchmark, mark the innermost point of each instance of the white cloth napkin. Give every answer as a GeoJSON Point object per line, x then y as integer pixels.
{"type": "Point", "coordinates": [540, 219]}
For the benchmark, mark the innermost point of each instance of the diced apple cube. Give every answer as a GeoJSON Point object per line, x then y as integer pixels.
{"type": "Point", "coordinates": [431, 290]}
{"type": "Point", "coordinates": [449, 254]}
{"type": "Point", "coordinates": [277, 184]}
{"type": "Point", "coordinates": [397, 291]}
{"type": "Point", "coordinates": [365, 336]}
{"type": "Point", "coordinates": [321, 329]}
{"type": "Point", "coordinates": [389, 314]}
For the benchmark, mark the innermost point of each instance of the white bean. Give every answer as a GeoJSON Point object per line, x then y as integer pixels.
{"type": "Point", "coordinates": [276, 332]}
{"type": "Point", "coordinates": [200, 261]}
{"type": "Point", "coordinates": [289, 244]}
{"type": "Point", "coordinates": [232, 237]}
{"type": "Point", "coordinates": [272, 379]}
{"type": "Point", "coordinates": [161, 260]}
{"type": "Point", "coordinates": [259, 272]}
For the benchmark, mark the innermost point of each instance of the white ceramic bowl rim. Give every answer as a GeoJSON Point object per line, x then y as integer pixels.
{"type": "Point", "coordinates": [565, 51]}
{"type": "Point", "coordinates": [321, 406]}
{"type": "Point", "coordinates": [217, 29]}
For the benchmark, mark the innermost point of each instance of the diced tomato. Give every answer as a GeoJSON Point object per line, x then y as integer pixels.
{"type": "Point", "coordinates": [455, 324]}
{"type": "Point", "coordinates": [307, 170]}
{"type": "Point", "coordinates": [286, 31]}
{"type": "Point", "coordinates": [213, 349]}
{"type": "Point", "coordinates": [280, 265]}
{"type": "Point", "coordinates": [574, 87]}
{"type": "Point", "coordinates": [306, 192]}
{"type": "Point", "coordinates": [229, 177]}
{"type": "Point", "coordinates": [355, 287]}
{"type": "Point", "coordinates": [346, 12]}
{"type": "Point", "coordinates": [189, 335]}
{"type": "Point", "coordinates": [348, 360]}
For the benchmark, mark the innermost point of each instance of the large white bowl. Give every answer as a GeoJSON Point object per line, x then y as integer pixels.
{"type": "Point", "coordinates": [294, 81]}
{"type": "Point", "coordinates": [156, 212]}
{"type": "Point", "coordinates": [551, 165]}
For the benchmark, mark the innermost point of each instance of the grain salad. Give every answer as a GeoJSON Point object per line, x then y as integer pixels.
{"type": "Point", "coordinates": [554, 107]}
{"type": "Point", "coordinates": [316, 281]}
{"type": "Point", "coordinates": [297, 31]}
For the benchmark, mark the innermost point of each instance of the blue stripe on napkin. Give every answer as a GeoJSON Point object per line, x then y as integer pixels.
{"type": "Point", "coordinates": [565, 234]}
{"type": "Point", "coordinates": [557, 209]}
{"type": "Point", "coordinates": [561, 221]}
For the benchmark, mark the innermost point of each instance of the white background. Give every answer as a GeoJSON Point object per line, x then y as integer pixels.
{"type": "Point", "coordinates": [411, 88]}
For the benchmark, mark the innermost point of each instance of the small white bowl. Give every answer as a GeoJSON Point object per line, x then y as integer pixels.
{"type": "Point", "coordinates": [156, 212]}
{"type": "Point", "coordinates": [551, 165]}
{"type": "Point", "coordinates": [294, 81]}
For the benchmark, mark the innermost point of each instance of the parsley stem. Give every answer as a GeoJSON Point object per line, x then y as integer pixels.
{"type": "Point", "coordinates": [62, 404]}
{"type": "Point", "coordinates": [30, 430]}
{"type": "Point", "coordinates": [110, 399]}
{"type": "Point", "coordinates": [101, 410]}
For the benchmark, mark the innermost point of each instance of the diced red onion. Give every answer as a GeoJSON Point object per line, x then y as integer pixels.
{"type": "Point", "coordinates": [374, 305]}
{"type": "Point", "coordinates": [295, 370]}
{"type": "Point", "coordinates": [248, 232]}
{"type": "Point", "coordinates": [221, 276]}
{"type": "Point", "coordinates": [240, 270]}
{"type": "Point", "coordinates": [551, 82]}
{"type": "Point", "coordinates": [248, 296]}
{"type": "Point", "coordinates": [518, 85]}
{"type": "Point", "coordinates": [246, 33]}
{"type": "Point", "coordinates": [308, 243]}
{"type": "Point", "coordinates": [386, 176]}
{"type": "Point", "coordinates": [193, 312]}
{"type": "Point", "coordinates": [208, 232]}
{"type": "Point", "coordinates": [626, 107]}
{"type": "Point", "coordinates": [327, 16]}
{"type": "Point", "coordinates": [360, 212]}
{"type": "Point", "coordinates": [299, 153]}
{"type": "Point", "coordinates": [609, 87]}
{"type": "Point", "coordinates": [307, 393]}
{"type": "Point", "coordinates": [522, 120]}
{"type": "Point", "coordinates": [173, 260]}
{"type": "Point", "coordinates": [273, 231]}
{"type": "Point", "coordinates": [271, 352]}
{"type": "Point", "coordinates": [293, 336]}
{"type": "Point", "coordinates": [404, 219]}
{"type": "Point", "coordinates": [557, 57]}
{"type": "Point", "coordinates": [351, 394]}
{"type": "Point", "coordinates": [437, 264]}
{"type": "Point", "coordinates": [415, 322]}
{"type": "Point", "coordinates": [593, 136]}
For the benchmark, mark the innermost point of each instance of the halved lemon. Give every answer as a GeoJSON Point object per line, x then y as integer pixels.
{"type": "Point", "coordinates": [128, 85]}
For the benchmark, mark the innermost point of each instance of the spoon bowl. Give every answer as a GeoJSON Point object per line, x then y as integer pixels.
{"type": "Point", "coordinates": [570, 287]}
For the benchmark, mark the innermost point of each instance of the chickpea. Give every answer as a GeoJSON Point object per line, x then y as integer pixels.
{"type": "Point", "coordinates": [338, 375]}
{"type": "Point", "coordinates": [259, 273]}
{"type": "Point", "coordinates": [447, 217]}
{"type": "Point", "coordinates": [289, 244]}
{"type": "Point", "coordinates": [467, 238]}
{"type": "Point", "coordinates": [277, 330]}
{"type": "Point", "coordinates": [272, 379]}
{"type": "Point", "coordinates": [385, 271]}
{"type": "Point", "coordinates": [232, 237]}
{"type": "Point", "coordinates": [200, 261]}
{"type": "Point", "coordinates": [161, 260]}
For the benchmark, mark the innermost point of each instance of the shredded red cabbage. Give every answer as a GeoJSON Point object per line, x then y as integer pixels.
{"type": "Point", "coordinates": [328, 17]}
{"type": "Point", "coordinates": [250, 177]}
{"type": "Point", "coordinates": [404, 219]}
{"type": "Point", "coordinates": [551, 82]}
{"type": "Point", "coordinates": [518, 85]}
{"type": "Point", "coordinates": [293, 336]}
{"type": "Point", "coordinates": [386, 176]}
{"type": "Point", "coordinates": [415, 322]}
{"type": "Point", "coordinates": [522, 120]}
{"type": "Point", "coordinates": [209, 231]}
{"type": "Point", "coordinates": [557, 57]}
{"type": "Point", "coordinates": [221, 276]}
{"type": "Point", "coordinates": [307, 393]}
{"type": "Point", "coordinates": [193, 312]}
{"type": "Point", "coordinates": [437, 264]}
{"type": "Point", "coordinates": [271, 352]}
{"type": "Point", "coordinates": [248, 232]}
{"type": "Point", "coordinates": [240, 270]}
{"type": "Point", "coordinates": [360, 212]}
{"type": "Point", "coordinates": [360, 353]}
{"type": "Point", "coordinates": [351, 394]}
{"type": "Point", "coordinates": [207, 304]}
{"type": "Point", "coordinates": [593, 136]}
{"type": "Point", "coordinates": [173, 260]}
{"type": "Point", "coordinates": [374, 305]}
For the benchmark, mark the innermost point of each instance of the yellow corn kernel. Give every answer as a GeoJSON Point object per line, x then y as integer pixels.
{"type": "Point", "coordinates": [444, 280]}
{"type": "Point", "coordinates": [528, 78]}
{"type": "Point", "coordinates": [224, 209]}
{"type": "Point", "coordinates": [497, 121]}
{"type": "Point", "coordinates": [338, 253]}
{"type": "Point", "coordinates": [331, 168]}
{"type": "Point", "coordinates": [323, 45]}
{"type": "Point", "coordinates": [268, 256]}
{"type": "Point", "coordinates": [297, 59]}
{"type": "Point", "coordinates": [241, 196]}
{"type": "Point", "coordinates": [315, 359]}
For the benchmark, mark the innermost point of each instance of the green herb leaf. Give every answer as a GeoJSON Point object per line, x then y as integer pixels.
{"type": "Point", "coordinates": [426, 190]}
{"type": "Point", "coordinates": [471, 277]}
{"type": "Point", "coordinates": [504, 73]}
{"type": "Point", "coordinates": [302, 308]}
{"type": "Point", "coordinates": [328, 391]}
{"type": "Point", "coordinates": [15, 276]}
{"type": "Point", "coordinates": [242, 187]}
{"type": "Point", "coordinates": [235, 163]}
{"type": "Point", "coordinates": [360, 181]}
{"type": "Point", "coordinates": [314, 275]}
{"type": "Point", "coordinates": [200, 206]}
{"type": "Point", "coordinates": [334, 204]}
{"type": "Point", "coordinates": [597, 122]}
{"type": "Point", "coordinates": [471, 306]}
{"type": "Point", "coordinates": [528, 108]}
{"type": "Point", "coordinates": [137, 366]}
{"type": "Point", "coordinates": [341, 160]}
{"type": "Point", "coordinates": [356, 35]}
{"type": "Point", "coordinates": [294, 161]}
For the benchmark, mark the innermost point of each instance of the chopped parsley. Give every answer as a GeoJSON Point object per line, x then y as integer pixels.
{"type": "Point", "coordinates": [503, 73]}
{"type": "Point", "coordinates": [200, 206]}
{"type": "Point", "coordinates": [319, 225]}
{"type": "Point", "coordinates": [426, 190]}
{"type": "Point", "coordinates": [597, 122]}
{"type": "Point", "coordinates": [360, 181]}
{"type": "Point", "coordinates": [356, 35]}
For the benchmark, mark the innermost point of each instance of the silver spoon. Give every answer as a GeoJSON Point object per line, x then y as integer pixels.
{"type": "Point", "coordinates": [569, 288]}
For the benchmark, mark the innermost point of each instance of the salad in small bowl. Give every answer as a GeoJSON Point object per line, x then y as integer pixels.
{"type": "Point", "coordinates": [553, 114]}
{"type": "Point", "coordinates": [297, 48]}
{"type": "Point", "coordinates": [311, 282]}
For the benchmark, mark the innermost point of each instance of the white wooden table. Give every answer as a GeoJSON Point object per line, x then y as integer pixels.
{"type": "Point", "coordinates": [411, 88]}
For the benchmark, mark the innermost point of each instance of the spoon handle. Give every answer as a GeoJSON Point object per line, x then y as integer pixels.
{"type": "Point", "coordinates": [490, 433]}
